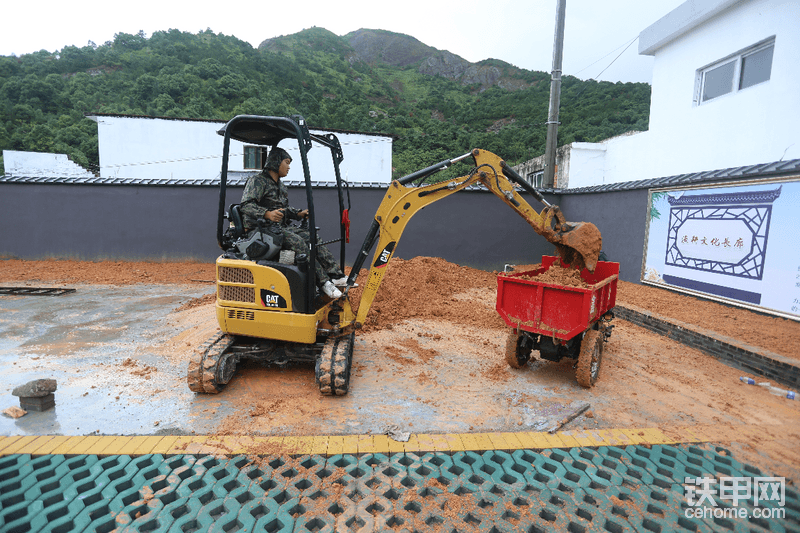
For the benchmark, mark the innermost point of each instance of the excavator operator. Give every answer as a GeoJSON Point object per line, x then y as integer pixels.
{"type": "Point", "coordinates": [266, 197]}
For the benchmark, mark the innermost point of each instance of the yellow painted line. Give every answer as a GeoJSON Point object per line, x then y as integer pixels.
{"type": "Point", "coordinates": [513, 441]}
{"type": "Point", "coordinates": [147, 446]}
{"type": "Point", "coordinates": [335, 445]}
{"type": "Point", "coordinates": [483, 442]}
{"type": "Point", "coordinates": [366, 444]}
{"type": "Point", "coordinates": [115, 447]}
{"type": "Point", "coordinates": [76, 445]}
{"type": "Point", "coordinates": [584, 438]}
{"type": "Point", "coordinates": [553, 440]}
{"type": "Point", "coordinates": [19, 445]}
{"type": "Point", "coordinates": [535, 440]}
{"type": "Point", "coordinates": [92, 445]}
{"type": "Point", "coordinates": [526, 440]}
{"type": "Point", "coordinates": [613, 437]}
{"type": "Point", "coordinates": [469, 441]}
{"type": "Point", "coordinates": [35, 444]}
{"type": "Point", "coordinates": [655, 436]}
{"type": "Point", "coordinates": [164, 445]}
{"type": "Point", "coordinates": [319, 445]}
{"type": "Point", "coordinates": [425, 443]}
{"type": "Point", "coordinates": [454, 442]}
{"type": "Point", "coordinates": [380, 444]}
{"type": "Point", "coordinates": [52, 444]}
{"type": "Point", "coordinates": [239, 445]}
{"type": "Point", "coordinates": [5, 442]}
{"type": "Point", "coordinates": [298, 445]}
{"type": "Point", "coordinates": [209, 446]}
{"type": "Point", "coordinates": [498, 441]}
{"type": "Point", "coordinates": [347, 444]}
{"type": "Point", "coordinates": [412, 445]}
{"type": "Point", "coordinates": [636, 435]}
{"type": "Point", "coordinates": [272, 445]}
{"type": "Point", "coordinates": [132, 444]}
{"type": "Point", "coordinates": [394, 446]}
{"type": "Point", "coordinates": [567, 439]}
{"type": "Point", "coordinates": [181, 445]}
{"type": "Point", "coordinates": [350, 444]}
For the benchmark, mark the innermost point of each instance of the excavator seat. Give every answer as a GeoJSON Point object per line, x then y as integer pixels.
{"type": "Point", "coordinates": [254, 248]}
{"type": "Point", "coordinates": [235, 218]}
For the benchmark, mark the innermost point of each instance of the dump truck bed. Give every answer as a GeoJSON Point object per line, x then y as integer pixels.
{"type": "Point", "coordinates": [554, 310]}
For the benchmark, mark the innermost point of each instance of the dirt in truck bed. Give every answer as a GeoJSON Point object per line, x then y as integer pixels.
{"type": "Point", "coordinates": [433, 320]}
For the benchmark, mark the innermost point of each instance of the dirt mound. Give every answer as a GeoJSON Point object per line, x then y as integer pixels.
{"type": "Point", "coordinates": [431, 288]}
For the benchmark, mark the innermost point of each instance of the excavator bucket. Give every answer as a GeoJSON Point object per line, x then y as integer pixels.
{"type": "Point", "coordinates": [579, 244]}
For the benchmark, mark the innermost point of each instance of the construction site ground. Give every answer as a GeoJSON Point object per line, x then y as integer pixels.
{"type": "Point", "coordinates": [430, 396]}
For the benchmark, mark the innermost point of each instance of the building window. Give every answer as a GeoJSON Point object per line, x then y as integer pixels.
{"type": "Point", "coordinates": [734, 73]}
{"type": "Point", "coordinates": [253, 157]}
{"type": "Point", "coordinates": [536, 178]}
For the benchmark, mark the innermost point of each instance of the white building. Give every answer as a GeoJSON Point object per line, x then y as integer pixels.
{"type": "Point", "coordinates": [41, 165]}
{"type": "Point", "coordinates": [725, 94]}
{"type": "Point", "coordinates": [135, 147]}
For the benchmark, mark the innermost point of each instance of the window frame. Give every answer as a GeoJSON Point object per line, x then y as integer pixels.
{"type": "Point", "coordinates": [258, 155]}
{"type": "Point", "coordinates": [736, 77]}
{"type": "Point", "coordinates": [536, 178]}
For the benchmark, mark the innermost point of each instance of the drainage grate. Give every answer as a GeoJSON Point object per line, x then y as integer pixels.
{"type": "Point", "coordinates": [34, 291]}
{"type": "Point", "coordinates": [607, 489]}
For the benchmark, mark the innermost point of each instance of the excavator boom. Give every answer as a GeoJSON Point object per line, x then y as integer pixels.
{"type": "Point", "coordinates": [578, 243]}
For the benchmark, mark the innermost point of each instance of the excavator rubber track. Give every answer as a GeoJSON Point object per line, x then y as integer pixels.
{"type": "Point", "coordinates": [334, 364]}
{"type": "Point", "coordinates": [212, 365]}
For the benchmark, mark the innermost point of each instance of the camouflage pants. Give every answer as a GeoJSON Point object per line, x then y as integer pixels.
{"type": "Point", "coordinates": [297, 239]}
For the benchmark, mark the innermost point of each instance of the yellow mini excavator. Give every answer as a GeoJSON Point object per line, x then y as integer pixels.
{"type": "Point", "coordinates": [270, 309]}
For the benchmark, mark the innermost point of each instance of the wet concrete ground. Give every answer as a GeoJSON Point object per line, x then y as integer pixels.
{"type": "Point", "coordinates": [99, 342]}
{"type": "Point", "coordinates": [71, 338]}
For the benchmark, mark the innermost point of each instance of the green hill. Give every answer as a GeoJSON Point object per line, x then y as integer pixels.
{"type": "Point", "coordinates": [437, 104]}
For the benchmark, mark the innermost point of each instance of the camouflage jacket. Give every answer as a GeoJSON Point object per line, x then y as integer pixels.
{"type": "Point", "coordinates": [262, 194]}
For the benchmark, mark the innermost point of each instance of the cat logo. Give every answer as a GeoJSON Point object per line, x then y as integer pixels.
{"type": "Point", "coordinates": [385, 255]}
{"type": "Point", "coordinates": [272, 299]}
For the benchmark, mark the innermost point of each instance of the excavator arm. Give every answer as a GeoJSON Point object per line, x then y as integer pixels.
{"type": "Point", "coordinates": [578, 243]}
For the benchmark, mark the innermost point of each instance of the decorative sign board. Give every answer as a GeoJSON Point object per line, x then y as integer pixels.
{"type": "Point", "coordinates": [737, 243]}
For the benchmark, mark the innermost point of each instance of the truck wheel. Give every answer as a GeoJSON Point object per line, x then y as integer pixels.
{"type": "Point", "coordinates": [589, 359]}
{"type": "Point", "coordinates": [334, 364]}
{"type": "Point", "coordinates": [518, 350]}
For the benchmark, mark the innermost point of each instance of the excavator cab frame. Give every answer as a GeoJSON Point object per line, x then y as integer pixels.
{"type": "Point", "coordinates": [269, 310]}
{"type": "Point", "coordinates": [269, 131]}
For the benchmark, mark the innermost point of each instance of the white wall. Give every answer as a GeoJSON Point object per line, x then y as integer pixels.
{"type": "Point", "coordinates": [748, 127]}
{"type": "Point", "coordinates": [586, 165]}
{"type": "Point", "coordinates": [755, 125]}
{"type": "Point", "coordinates": [35, 165]}
{"type": "Point", "coordinates": [155, 148]}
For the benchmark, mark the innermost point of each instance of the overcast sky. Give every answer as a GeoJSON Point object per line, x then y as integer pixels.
{"type": "Point", "coordinates": [520, 32]}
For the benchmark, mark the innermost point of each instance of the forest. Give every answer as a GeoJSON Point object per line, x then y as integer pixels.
{"type": "Point", "coordinates": [45, 96]}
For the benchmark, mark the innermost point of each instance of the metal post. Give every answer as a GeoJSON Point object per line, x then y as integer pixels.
{"type": "Point", "coordinates": [555, 99]}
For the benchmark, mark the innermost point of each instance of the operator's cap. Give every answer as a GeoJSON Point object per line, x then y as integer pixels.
{"type": "Point", "coordinates": [276, 156]}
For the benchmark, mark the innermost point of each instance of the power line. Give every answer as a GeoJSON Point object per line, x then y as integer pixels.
{"type": "Point", "coordinates": [620, 54]}
{"type": "Point", "coordinates": [608, 54]}
{"type": "Point", "coordinates": [216, 156]}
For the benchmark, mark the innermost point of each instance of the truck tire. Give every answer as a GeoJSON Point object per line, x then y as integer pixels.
{"type": "Point", "coordinates": [589, 359]}
{"type": "Point", "coordinates": [518, 351]}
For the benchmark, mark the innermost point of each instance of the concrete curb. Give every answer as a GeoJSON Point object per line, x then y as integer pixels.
{"type": "Point", "coordinates": [749, 358]}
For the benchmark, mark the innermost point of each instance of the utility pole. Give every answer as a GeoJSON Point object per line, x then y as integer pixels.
{"type": "Point", "coordinates": [555, 99]}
